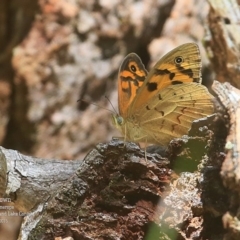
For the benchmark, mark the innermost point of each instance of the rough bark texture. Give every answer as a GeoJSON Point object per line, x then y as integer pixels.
{"type": "Point", "coordinates": [112, 196]}
{"type": "Point", "coordinates": [116, 193]}
{"type": "Point", "coordinates": [30, 181]}
{"type": "Point", "coordinates": [223, 40]}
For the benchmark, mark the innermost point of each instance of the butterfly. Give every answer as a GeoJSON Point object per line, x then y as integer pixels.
{"type": "Point", "coordinates": [158, 106]}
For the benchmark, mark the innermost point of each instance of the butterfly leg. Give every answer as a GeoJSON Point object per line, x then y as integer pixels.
{"type": "Point", "coordinates": [145, 150]}
{"type": "Point", "coordinates": [125, 133]}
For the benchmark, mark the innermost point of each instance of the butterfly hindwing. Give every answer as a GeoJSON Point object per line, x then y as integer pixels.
{"type": "Point", "coordinates": [172, 116]}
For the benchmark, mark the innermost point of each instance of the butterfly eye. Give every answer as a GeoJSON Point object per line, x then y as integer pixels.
{"type": "Point", "coordinates": [133, 68]}
{"type": "Point", "coordinates": [120, 120]}
{"type": "Point", "coordinates": [178, 60]}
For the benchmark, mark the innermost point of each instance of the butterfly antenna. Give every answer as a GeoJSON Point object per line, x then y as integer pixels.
{"type": "Point", "coordinates": [83, 100]}
{"type": "Point", "coordinates": [114, 110]}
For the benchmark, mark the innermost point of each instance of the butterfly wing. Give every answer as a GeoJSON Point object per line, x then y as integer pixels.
{"type": "Point", "coordinates": [132, 74]}
{"type": "Point", "coordinates": [170, 98]}
{"type": "Point", "coordinates": [170, 113]}
{"type": "Point", "coordinates": [181, 65]}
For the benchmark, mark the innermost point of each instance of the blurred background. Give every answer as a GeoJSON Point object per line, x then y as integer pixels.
{"type": "Point", "coordinates": [54, 52]}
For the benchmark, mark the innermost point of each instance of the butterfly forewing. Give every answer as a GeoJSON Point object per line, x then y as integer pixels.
{"type": "Point", "coordinates": [181, 65]}
{"type": "Point", "coordinates": [132, 74]}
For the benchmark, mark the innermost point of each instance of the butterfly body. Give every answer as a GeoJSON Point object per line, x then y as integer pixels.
{"type": "Point", "coordinates": [159, 106]}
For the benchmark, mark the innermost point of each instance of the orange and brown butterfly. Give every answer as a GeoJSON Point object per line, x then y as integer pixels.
{"type": "Point", "coordinates": [158, 106]}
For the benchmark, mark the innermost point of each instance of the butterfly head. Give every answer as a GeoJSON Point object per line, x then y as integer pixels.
{"type": "Point", "coordinates": [117, 121]}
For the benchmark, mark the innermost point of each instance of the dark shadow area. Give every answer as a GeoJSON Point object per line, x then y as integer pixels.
{"type": "Point", "coordinates": [16, 20]}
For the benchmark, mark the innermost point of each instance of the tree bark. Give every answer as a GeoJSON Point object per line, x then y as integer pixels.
{"type": "Point", "coordinates": [31, 181]}
{"type": "Point", "coordinates": [115, 192]}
